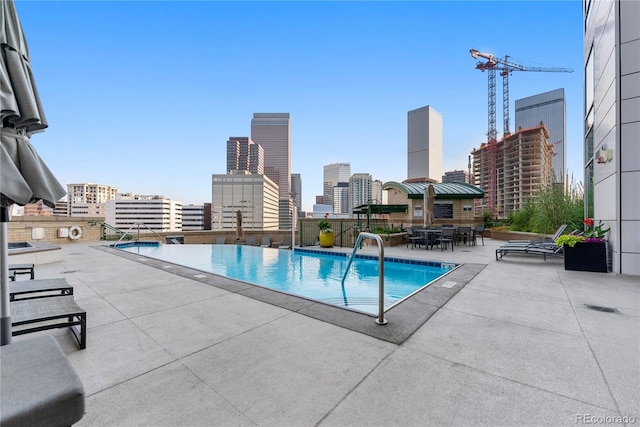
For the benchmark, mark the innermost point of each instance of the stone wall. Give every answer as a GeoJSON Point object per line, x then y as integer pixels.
{"type": "Point", "coordinates": [27, 228]}
{"type": "Point", "coordinates": [21, 229]}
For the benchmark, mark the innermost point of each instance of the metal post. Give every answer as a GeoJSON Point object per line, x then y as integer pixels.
{"type": "Point", "coordinates": [424, 208]}
{"type": "Point", "coordinates": [5, 317]}
{"type": "Point", "coordinates": [380, 320]}
{"type": "Point", "coordinates": [293, 227]}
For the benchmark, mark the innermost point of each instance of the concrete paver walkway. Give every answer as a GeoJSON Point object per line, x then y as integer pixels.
{"type": "Point", "coordinates": [516, 346]}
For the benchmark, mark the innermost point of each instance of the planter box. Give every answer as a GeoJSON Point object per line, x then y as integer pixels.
{"type": "Point", "coordinates": [326, 239]}
{"type": "Point", "coordinates": [590, 256]}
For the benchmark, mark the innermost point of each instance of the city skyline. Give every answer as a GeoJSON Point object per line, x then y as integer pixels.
{"type": "Point", "coordinates": [136, 107]}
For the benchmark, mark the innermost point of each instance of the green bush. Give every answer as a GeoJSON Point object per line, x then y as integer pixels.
{"type": "Point", "coordinates": [488, 219]}
{"type": "Point", "coordinates": [547, 210]}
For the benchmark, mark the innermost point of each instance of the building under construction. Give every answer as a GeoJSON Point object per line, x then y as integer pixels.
{"type": "Point", "coordinates": [512, 169]}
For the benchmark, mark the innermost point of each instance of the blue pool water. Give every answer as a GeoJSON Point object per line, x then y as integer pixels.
{"type": "Point", "coordinates": [307, 273]}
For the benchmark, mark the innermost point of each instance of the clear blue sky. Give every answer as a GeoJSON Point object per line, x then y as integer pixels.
{"type": "Point", "coordinates": [144, 95]}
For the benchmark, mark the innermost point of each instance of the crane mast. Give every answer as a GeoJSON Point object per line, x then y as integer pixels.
{"type": "Point", "coordinates": [506, 67]}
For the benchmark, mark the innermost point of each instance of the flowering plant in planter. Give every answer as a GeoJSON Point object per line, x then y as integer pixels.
{"type": "Point", "coordinates": [324, 225]}
{"type": "Point", "coordinates": [591, 253]}
{"type": "Point", "coordinates": [569, 240]}
{"type": "Point", "coordinates": [594, 233]}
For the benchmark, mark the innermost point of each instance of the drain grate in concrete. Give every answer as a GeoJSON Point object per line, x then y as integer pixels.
{"type": "Point", "coordinates": [605, 309]}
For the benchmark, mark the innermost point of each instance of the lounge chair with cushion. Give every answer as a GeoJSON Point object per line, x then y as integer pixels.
{"type": "Point", "coordinates": [534, 249]}
{"type": "Point", "coordinates": [544, 241]}
{"type": "Point", "coordinates": [220, 240]}
{"type": "Point", "coordinates": [286, 242]}
{"type": "Point", "coordinates": [40, 288]}
{"type": "Point", "coordinates": [265, 242]}
{"type": "Point", "coordinates": [251, 241]}
{"type": "Point", "coordinates": [39, 385]}
{"type": "Point", "coordinates": [40, 314]}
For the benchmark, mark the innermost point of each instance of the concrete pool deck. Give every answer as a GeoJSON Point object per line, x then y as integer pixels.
{"type": "Point", "coordinates": [516, 345]}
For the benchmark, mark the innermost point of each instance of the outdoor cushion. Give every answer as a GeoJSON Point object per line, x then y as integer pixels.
{"type": "Point", "coordinates": [39, 387]}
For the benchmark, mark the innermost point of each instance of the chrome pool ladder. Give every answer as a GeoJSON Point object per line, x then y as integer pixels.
{"type": "Point", "coordinates": [380, 320]}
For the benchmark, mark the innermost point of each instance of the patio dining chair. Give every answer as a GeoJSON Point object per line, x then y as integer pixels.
{"type": "Point", "coordinates": [447, 236]}
{"type": "Point", "coordinates": [478, 231]}
{"type": "Point", "coordinates": [464, 235]}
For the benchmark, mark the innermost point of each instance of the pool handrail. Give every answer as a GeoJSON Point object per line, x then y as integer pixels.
{"type": "Point", "coordinates": [380, 320]}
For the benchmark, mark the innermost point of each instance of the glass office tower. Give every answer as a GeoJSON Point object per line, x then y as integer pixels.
{"type": "Point", "coordinates": [273, 132]}
{"type": "Point", "coordinates": [549, 108]}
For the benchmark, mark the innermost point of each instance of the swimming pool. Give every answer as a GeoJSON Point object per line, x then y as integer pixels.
{"type": "Point", "coordinates": [311, 274]}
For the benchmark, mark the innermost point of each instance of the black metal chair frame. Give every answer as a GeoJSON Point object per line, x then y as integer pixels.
{"type": "Point", "coordinates": [55, 312]}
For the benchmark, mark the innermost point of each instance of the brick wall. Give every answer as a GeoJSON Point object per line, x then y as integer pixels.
{"type": "Point", "coordinates": [21, 228]}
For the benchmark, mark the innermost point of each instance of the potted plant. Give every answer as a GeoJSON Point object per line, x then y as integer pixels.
{"type": "Point", "coordinates": [586, 251]}
{"type": "Point", "coordinates": [326, 236]}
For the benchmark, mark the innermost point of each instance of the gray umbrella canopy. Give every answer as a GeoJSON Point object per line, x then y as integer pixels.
{"type": "Point", "coordinates": [24, 177]}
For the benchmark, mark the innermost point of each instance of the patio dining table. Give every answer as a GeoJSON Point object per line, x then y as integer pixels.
{"type": "Point", "coordinates": [429, 235]}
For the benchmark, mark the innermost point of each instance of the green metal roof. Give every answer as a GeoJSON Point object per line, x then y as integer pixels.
{"type": "Point", "coordinates": [444, 191]}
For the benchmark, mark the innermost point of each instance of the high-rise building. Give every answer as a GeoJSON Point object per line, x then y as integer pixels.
{"type": "Point", "coordinates": [37, 209]}
{"type": "Point", "coordinates": [549, 108]}
{"type": "Point", "coordinates": [132, 212]}
{"type": "Point", "coordinates": [360, 186]}
{"type": "Point", "coordinates": [244, 155]}
{"type": "Point", "coordinates": [612, 126]}
{"type": "Point", "coordinates": [296, 191]}
{"type": "Point", "coordinates": [196, 217]}
{"type": "Point", "coordinates": [376, 192]}
{"type": "Point", "coordinates": [522, 164]}
{"type": "Point", "coordinates": [254, 195]}
{"type": "Point", "coordinates": [87, 199]}
{"type": "Point", "coordinates": [424, 144]}
{"type": "Point", "coordinates": [341, 198]}
{"type": "Point", "coordinates": [334, 174]}
{"type": "Point", "coordinates": [273, 132]}
{"type": "Point", "coordinates": [456, 176]}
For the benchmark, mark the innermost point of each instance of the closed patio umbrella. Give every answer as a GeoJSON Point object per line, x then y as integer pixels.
{"type": "Point", "coordinates": [238, 224]}
{"type": "Point", "coordinates": [24, 177]}
{"type": "Point", "coordinates": [431, 197]}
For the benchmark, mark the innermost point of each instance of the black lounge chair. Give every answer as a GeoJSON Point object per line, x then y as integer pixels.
{"type": "Point", "coordinates": [545, 250]}
{"type": "Point", "coordinates": [40, 288]}
{"type": "Point", "coordinates": [543, 241]}
{"type": "Point", "coordinates": [41, 314]}
{"type": "Point", "coordinates": [39, 385]}
{"type": "Point", "coordinates": [15, 269]}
